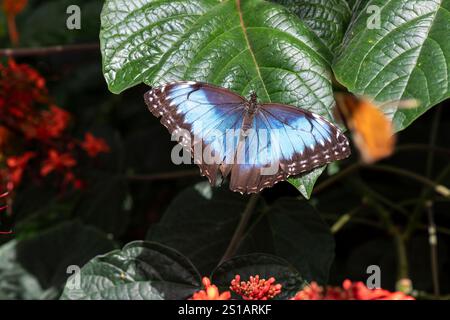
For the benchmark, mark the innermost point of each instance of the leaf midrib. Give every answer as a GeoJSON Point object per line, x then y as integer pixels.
{"type": "Point", "coordinates": [250, 49]}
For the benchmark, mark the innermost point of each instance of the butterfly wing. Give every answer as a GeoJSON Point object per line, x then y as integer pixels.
{"type": "Point", "coordinates": [298, 141]}
{"type": "Point", "coordinates": [373, 133]}
{"type": "Point", "coordinates": [207, 112]}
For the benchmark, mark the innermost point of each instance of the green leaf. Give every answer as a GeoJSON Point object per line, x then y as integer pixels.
{"type": "Point", "coordinates": [141, 270]}
{"type": "Point", "coordinates": [245, 46]}
{"type": "Point", "coordinates": [200, 215]}
{"type": "Point", "coordinates": [265, 266]}
{"type": "Point", "coordinates": [290, 228]}
{"type": "Point", "coordinates": [15, 282]}
{"type": "Point", "coordinates": [327, 18]}
{"type": "Point", "coordinates": [39, 263]}
{"type": "Point", "coordinates": [407, 58]}
{"type": "Point", "coordinates": [305, 183]}
{"type": "Point", "coordinates": [300, 235]}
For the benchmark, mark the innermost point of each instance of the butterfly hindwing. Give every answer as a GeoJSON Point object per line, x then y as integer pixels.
{"type": "Point", "coordinates": [297, 141]}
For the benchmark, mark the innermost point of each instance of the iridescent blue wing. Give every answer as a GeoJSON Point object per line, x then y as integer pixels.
{"type": "Point", "coordinates": [286, 141]}
{"type": "Point", "coordinates": [207, 112]}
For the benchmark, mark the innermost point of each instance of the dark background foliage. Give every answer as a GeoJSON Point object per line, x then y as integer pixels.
{"type": "Point", "coordinates": [136, 193]}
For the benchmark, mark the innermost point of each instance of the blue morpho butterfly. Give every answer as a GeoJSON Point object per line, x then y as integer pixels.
{"type": "Point", "coordinates": [258, 144]}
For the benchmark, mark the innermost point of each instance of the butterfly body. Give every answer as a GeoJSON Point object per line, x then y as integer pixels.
{"type": "Point", "coordinates": [268, 142]}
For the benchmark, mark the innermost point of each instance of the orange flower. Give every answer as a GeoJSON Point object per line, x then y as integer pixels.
{"type": "Point", "coordinates": [14, 7]}
{"type": "Point", "coordinates": [256, 288]}
{"type": "Point", "coordinates": [211, 292]}
{"type": "Point", "coordinates": [57, 162]}
{"type": "Point", "coordinates": [93, 146]}
{"type": "Point", "coordinates": [349, 291]}
{"type": "Point", "coordinates": [17, 166]}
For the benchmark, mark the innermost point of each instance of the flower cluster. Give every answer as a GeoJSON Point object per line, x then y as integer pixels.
{"type": "Point", "coordinates": [349, 291]}
{"type": "Point", "coordinates": [211, 292]}
{"type": "Point", "coordinates": [255, 288]}
{"type": "Point", "coordinates": [33, 131]}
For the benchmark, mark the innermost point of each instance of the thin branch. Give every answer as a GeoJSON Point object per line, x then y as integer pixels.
{"type": "Point", "coordinates": [423, 147]}
{"type": "Point", "coordinates": [433, 241]}
{"type": "Point", "coordinates": [344, 219]}
{"type": "Point", "coordinates": [426, 192]}
{"type": "Point", "coordinates": [44, 51]}
{"type": "Point", "coordinates": [240, 230]}
{"type": "Point", "coordinates": [432, 237]}
{"type": "Point", "coordinates": [368, 191]}
{"type": "Point", "coordinates": [441, 189]}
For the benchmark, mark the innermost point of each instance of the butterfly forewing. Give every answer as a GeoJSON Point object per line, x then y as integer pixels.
{"type": "Point", "coordinates": [208, 113]}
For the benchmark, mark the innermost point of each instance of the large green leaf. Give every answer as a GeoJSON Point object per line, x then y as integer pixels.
{"type": "Point", "coordinates": [264, 265]}
{"type": "Point", "coordinates": [300, 235]}
{"type": "Point", "coordinates": [327, 18]}
{"type": "Point", "coordinates": [290, 228]}
{"type": "Point", "coordinates": [140, 271]}
{"type": "Point", "coordinates": [408, 57]}
{"type": "Point", "coordinates": [36, 267]}
{"type": "Point", "coordinates": [200, 215]}
{"type": "Point", "coordinates": [15, 281]}
{"type": "Point", "coordinates": [245, 46]}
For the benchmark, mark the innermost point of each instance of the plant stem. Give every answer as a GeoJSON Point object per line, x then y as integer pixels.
{"type": "Point", "coordinates": [12, 29]}
{"type": "Point", "coordinates": [423, 147]}
{"type": "Point", "coordinates": [21, 52]}
{"type": "Point", "coordinates": [433, 139]}
{"type": "Point", "coordinates": [400, 242]}
{"type": "Point", "coordinates": [366, 190]}
{"type": "Point", "coordinates": [432, 237]}
{"type": "Point", "coordinates": [343, 220]}
{"type": "Point", "coordinates": [403, 269]}
{"type": "Point", "coordinates": [441, 189]}
{"type": "Point", "coordinates": [240, 230]}
{"type": "Point", "coordinates": [433, 241]}
{"type": "Point", "coordinates": [415, 216]}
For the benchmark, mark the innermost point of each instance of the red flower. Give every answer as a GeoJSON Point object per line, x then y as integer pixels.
{"type": "Point", "coordinates": [57, 162]}
{"type": "Point", "coordinates": [349, 291]}
{"type": "Point", "coordinates": [70, 178]}
{"type": "Point", "coordinates": [17, 166]}
{"type": "Point", "coordinates": [93, 146]}
{"type": "Point", "coordinates": [52, 124]}
{"type": "Point", "coordinates": [255, 288]}
{"type": "Point", "coordinates": [211, 292]}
